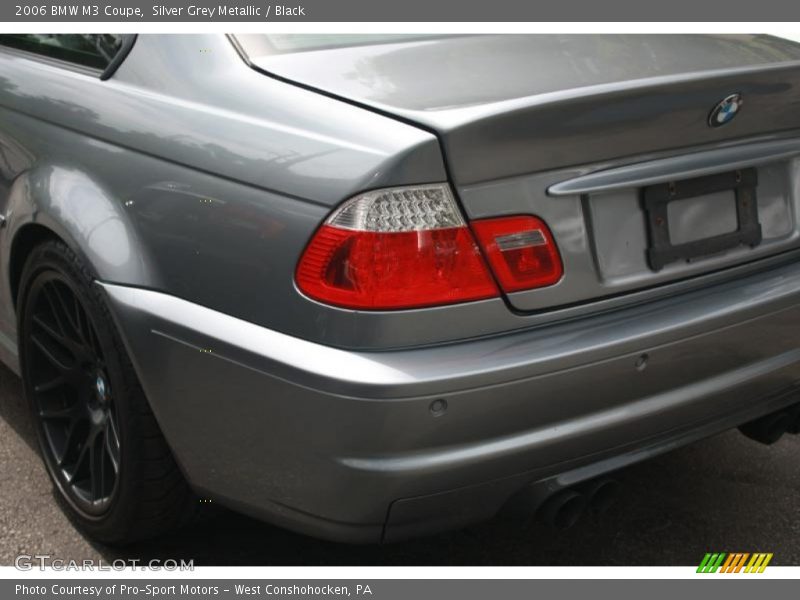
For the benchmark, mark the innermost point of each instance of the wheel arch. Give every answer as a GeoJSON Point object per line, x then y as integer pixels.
{"type": "Point", "coordinates": [65, 203]}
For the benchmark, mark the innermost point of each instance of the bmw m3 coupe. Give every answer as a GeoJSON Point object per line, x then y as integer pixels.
{"type": "Point", "coordinates": [369, 287]}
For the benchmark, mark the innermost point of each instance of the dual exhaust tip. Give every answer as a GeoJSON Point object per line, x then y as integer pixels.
{"type": "Point", "coordinates": [770, 428]}
{"type": "Point", "coordinates": [563, 508]}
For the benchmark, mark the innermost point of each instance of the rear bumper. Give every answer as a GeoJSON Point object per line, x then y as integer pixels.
{"type": "Point", "coordinates": [345, 445]}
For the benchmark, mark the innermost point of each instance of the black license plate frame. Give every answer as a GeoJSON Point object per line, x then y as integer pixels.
{"type": "Point", "coordinates": [655, 198]}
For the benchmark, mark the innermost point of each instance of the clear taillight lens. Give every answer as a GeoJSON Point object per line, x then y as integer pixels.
{"type": "Point", "coordinates": [395, 248]}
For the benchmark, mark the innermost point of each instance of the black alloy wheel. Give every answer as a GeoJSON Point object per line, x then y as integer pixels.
{"type": "Point", "coordinates": [114, 474]}
{"type": "Point", "coordinates": [72, 395]}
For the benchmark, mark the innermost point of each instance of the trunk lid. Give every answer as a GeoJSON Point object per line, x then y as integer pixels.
{"type": "Point", "coordinates": [513, 104]}
{"type": "Point", "coordinates": [573, 128]}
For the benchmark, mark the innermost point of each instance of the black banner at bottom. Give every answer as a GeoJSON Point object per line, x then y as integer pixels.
{"type": "Point", "coordinates": [733, 587]}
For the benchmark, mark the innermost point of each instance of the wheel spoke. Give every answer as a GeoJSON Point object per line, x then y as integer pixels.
{"type": "Point", "coordinates": [85, 451]}
{"type": "Point", "coordinates": [96, 474]}
{"type": "Point", "coordinates": [51, 385]}
{"type": "Point", "coordinates": [93, 474]}
{"type": "Point", "coordinates": [66, 311]}
{"type": "Point", "coordinates": [61, 413]}
{"type": "Point", "coordinates": [112, 429]}
{"type": "Point", "coordinates": [50, 353]}
{"type": "Point", "coordinates": [101, 459]}
{"type": "Point", "coordinates": [112, 447]}
{"type": "Point", "coordinates": [52, 333]}
{"type": "Point", "coordinates": [56, 306]}
{"type": "Point", "coordinates": [69, 442]}
{"type": "Point", "coordinates": [81, 324]}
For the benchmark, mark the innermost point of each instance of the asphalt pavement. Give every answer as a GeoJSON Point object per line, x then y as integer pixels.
{"type": "Point", "coordinates": [726, 494]}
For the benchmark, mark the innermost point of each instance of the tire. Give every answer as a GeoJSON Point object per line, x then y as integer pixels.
{"type": "Point", "coordinates": [110, 465]}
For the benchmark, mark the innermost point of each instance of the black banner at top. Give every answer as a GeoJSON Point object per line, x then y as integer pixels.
{"type": "Point", "coordinates": [404, 11]}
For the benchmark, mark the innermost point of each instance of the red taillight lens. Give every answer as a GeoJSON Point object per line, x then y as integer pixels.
{"type": "Point", "coordinates": [520, 250]}
{"type": "Point", "coordinates": [392, 249]}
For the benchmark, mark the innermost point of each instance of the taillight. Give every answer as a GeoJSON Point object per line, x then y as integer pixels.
{"type": "Point", "coordinates": [520, 250]}
{"type": "Point", "coordinates": [395, 248]}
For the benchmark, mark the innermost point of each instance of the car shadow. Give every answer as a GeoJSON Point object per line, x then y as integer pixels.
{"type": "Point", "coordinates": [13, 409]}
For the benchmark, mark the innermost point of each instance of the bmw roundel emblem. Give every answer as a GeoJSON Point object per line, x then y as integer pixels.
{"type": "Point", "coordinates": [725, 111]}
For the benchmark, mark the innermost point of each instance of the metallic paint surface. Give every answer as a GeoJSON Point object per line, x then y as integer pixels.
{"type": "Point", "coordinates": [163, 177]}
{"type": "Point", "coordinates": [507, 105]}
{"type": "Point", "coordinates": [325, 422]}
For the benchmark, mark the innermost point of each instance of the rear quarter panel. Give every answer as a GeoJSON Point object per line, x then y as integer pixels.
{"type": "Point", "coordinates": [190, 173]}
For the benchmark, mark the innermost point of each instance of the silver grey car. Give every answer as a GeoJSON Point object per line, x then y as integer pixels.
{"type": "Point", "coordinates": [368, 287]}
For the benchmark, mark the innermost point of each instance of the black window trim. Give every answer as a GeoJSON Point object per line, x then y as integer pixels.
{"type": "Point", "coordinates": [53, 62]}
{"type": "Point", "coordinates": [128, 40]}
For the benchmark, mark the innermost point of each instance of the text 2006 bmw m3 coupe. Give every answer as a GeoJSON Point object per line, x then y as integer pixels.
{"type": "Point", "coordinates": [370, 287]}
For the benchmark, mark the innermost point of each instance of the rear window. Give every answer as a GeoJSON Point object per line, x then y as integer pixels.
{"type": "Point", "coordinates": [88, 50]}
